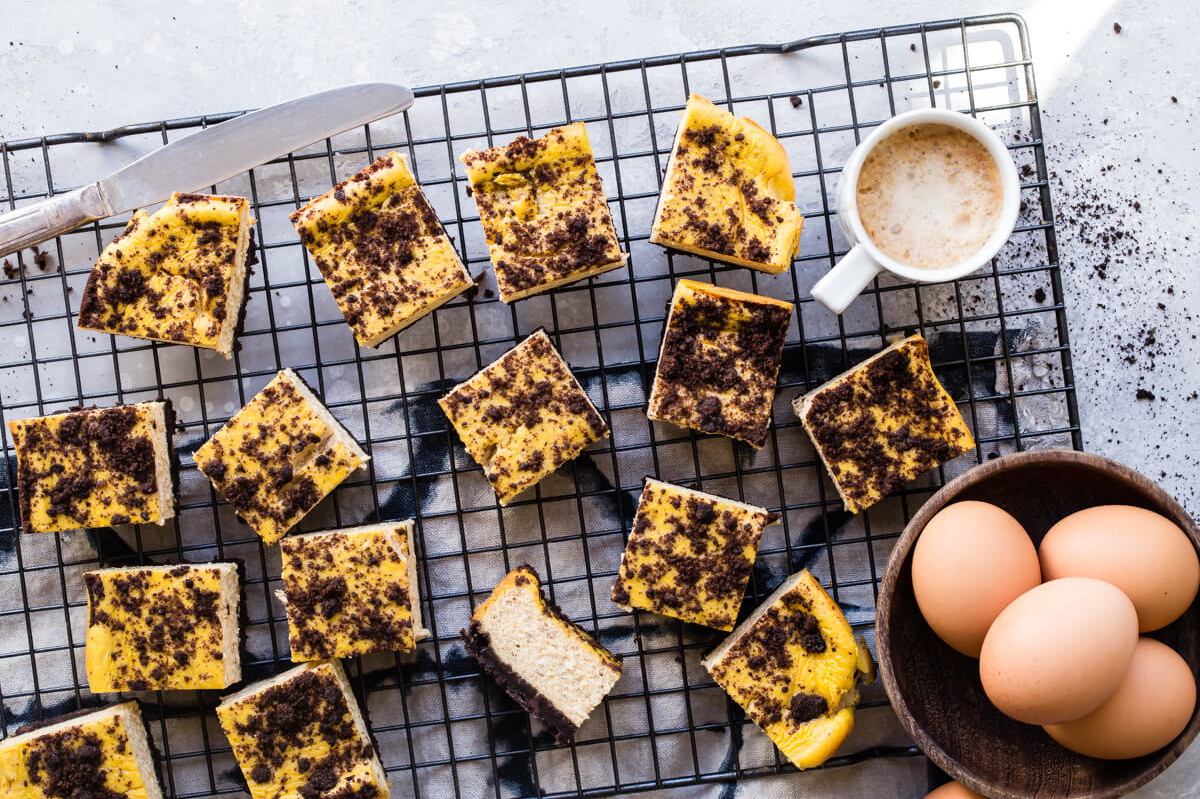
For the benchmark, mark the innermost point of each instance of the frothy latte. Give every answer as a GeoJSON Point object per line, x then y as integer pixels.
{"type": "Point", "coordinates": [929, 195]}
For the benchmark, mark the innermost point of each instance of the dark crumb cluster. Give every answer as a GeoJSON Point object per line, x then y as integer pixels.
{"type": "Point", "coordinates": [70, 765]}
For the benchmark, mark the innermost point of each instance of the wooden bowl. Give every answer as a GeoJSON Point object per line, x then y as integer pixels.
{"type": "Point", "coordinates": [936, 691]}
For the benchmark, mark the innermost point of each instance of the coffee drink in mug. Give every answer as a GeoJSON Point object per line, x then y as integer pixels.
{"type": "Point", "coordinates": [929, 195]}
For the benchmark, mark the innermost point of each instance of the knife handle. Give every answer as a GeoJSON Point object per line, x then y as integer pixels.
{"type": "Point", "coordinates": [32, 224]}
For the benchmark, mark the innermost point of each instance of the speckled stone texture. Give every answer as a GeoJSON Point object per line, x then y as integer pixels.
{"type": "Point", "coordinates": [1110, 122]}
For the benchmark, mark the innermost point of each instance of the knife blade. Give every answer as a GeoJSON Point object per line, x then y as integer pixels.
{"type": "Point", "coordinates": [206, 157]}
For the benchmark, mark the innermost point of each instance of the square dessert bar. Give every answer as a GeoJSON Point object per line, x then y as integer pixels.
{"type": "Point", "coordinates": [382, 250]}
{"type": "Point", "coordinates": [177, 275]}
{"type": "Point", "coordinates": [690, 555]}
{"type": "Point", "coordinates": [163, 628]}
{"type": "Point", "coordinates": [728, 192]}
{"type": "Point", "coordinates": [279, 456]}
{"type": "Point", "coordinates": [795, 666]}
{"type": "Point", "coordinates": [546, 663]}
{"type": "Point", "coordinates": [523, 416]}
{"type": "Point", "coordinates": [883, 423]}
{"type": "Point", "coordinates": [720, 357]}
{"type": "Point", "coordinates": [350, 592]}
{"type": "Point", "coordinates": [101, 753]}
{"type": "Point", "coordinates": [95, 467]}
{"type": "Point", "coordinates": [543, 210]}
{"type": "Point", "coordinates": [300, 735]}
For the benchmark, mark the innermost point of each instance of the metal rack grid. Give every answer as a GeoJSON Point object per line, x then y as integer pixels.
{"type": "Point", "coordinates": [998, 339]}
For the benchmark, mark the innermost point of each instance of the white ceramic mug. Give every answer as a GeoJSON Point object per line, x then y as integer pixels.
{"type": "Point", "coordinates": [866, 261]}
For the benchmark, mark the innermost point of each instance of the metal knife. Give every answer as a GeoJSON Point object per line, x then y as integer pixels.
{"type": "Point", "coordinates": [206, 157]}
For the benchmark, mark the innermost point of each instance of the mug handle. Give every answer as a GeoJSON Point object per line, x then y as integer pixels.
{"type": "Point", "coordinates": [846, 280]}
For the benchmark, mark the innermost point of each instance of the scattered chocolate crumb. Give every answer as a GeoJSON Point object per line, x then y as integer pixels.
{"type": "Point", "coordinates": [806, 707]}
{"type": "Point", "coordinates": [1039, 295]}
{"type": "Point", "coordinates": [796, 100]}
{"type": "Point", "coordinates": [1116, 27]}
{"type": "Point", "coordinates": [41, 258]}
{"type": "Point", "coordinates": [1143, 394]}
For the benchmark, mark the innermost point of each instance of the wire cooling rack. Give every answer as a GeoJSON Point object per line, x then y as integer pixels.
{"type": "Point", "coordinates": [998, 339]}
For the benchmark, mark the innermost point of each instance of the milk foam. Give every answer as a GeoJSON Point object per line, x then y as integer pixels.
{"type": "Point", "coordinates": [929, 195]}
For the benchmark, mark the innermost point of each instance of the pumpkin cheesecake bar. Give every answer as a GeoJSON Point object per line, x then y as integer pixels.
{"type": "Point", "coordinates": [545, 662]}
{"type": "Point", "coordinates": [104, 754]}
{"type": "Point", "coordinates": [728, 192]}
{"type": "Point", "coordinates": [795, 666]}
{"type": "Point", "coordinates": [382, 250]}
{"type": "Point", "coordinates": [524, 416]}
{"type": "Point", "coordinates": [883, 423]}
{"type": "Point", "coordinates": [690, 555]}
{"type": "Point", "coordinates": [300, 735]}
{"type": "Point", "coordinates": [543, 211]}
{"type": "Point", "coordinates": [95, 467]}
{"type": "Point", "coordinates": [279, 456]}
{"type": "Point", "coordinates": [351, 592]}
{"type": "Point", "coordinates": [177, 275]}
{"type": "Point", "coordinates": [719, 360]}
{"type": "Point", "coordinates": [153, 628]}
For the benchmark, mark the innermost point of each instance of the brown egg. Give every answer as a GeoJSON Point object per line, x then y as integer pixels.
{"type": "Point", "coordinates": [1151, 706]}
{"type": "Point", "coordinates": [1059, 650]}
{"type": "Point", "coordinates": [953, 790]}
{"type": "Point", "coordinates": [1144, 554]}
{"type": "Point", "coordinates": [971, 560]}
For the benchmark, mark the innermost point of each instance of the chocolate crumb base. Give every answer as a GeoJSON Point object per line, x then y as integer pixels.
{"type": "Point", "coordinates": [478, 645]}
{"type": "Point", "coordinates": [34, 726]}
{"type": "Point", "coordinates": [169, 419]}
{"type": "Point", "coordinates": [251, 260]}
{"type": "Point", "coordinates": [243, 612]}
